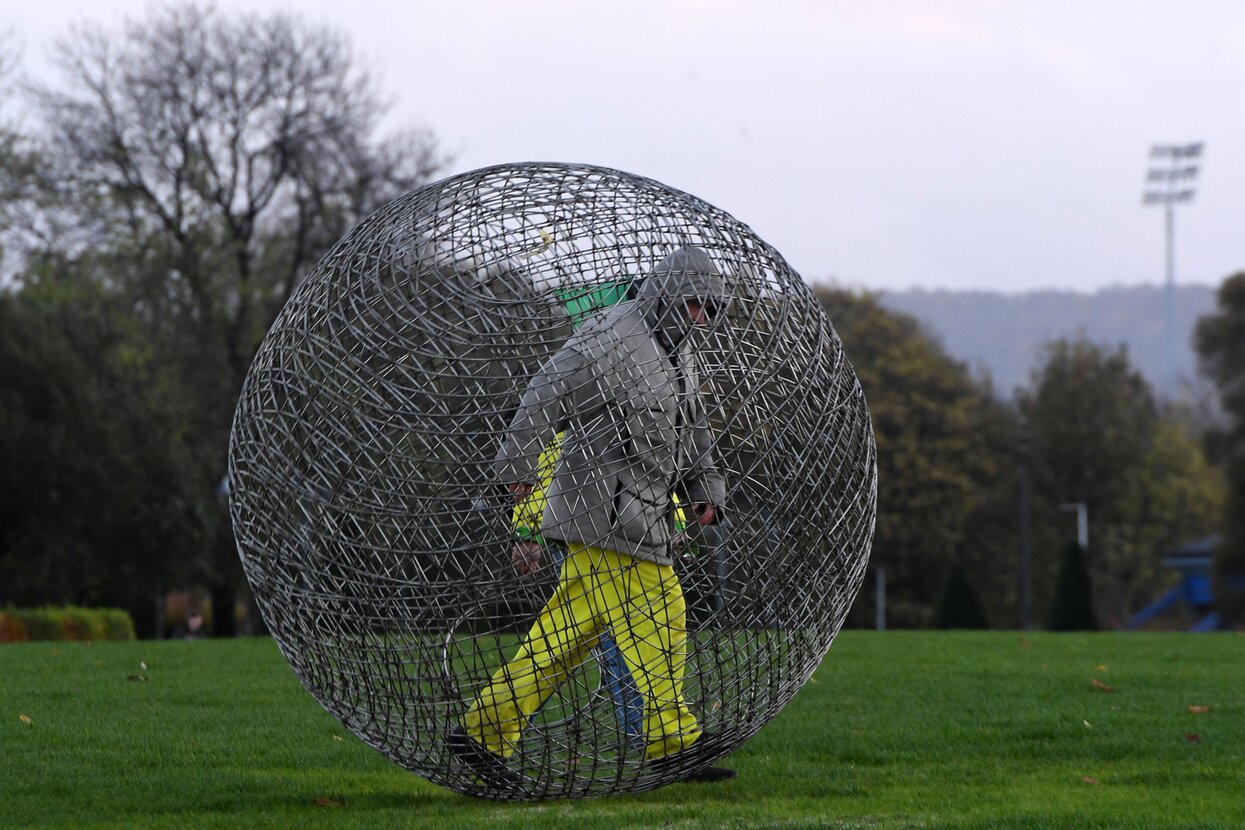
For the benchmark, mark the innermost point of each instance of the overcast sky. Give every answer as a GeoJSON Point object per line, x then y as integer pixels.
{"type": "Point", "coordinates": [882, 144]}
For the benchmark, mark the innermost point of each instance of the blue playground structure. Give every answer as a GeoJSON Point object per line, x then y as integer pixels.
{"type": "Point", "coordinates": [1193, 560]}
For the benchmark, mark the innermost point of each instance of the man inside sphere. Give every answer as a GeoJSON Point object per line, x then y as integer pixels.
{"type": "Point", "coordinates": [624, 391]}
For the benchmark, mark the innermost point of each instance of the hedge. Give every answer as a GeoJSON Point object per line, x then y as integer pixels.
{"type": "Point", "coordinates": [93, 624]}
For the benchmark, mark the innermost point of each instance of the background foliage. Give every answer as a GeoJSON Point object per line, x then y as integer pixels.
{"type": "Point", "coordinates": [1220, 340]}
{"type": "Point", "coordinates": [182, 175]}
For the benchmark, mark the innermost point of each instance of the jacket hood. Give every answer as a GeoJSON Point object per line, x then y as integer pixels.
{"type": "Point", "coordinates": [686, 274]}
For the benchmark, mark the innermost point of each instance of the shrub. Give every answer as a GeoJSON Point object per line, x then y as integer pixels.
{"type": "Point", "coordinates": [75, 625]}
{"type": "Point", "coordinates": [81, 624]}
{"type": "Point", "coordinates": [117, 624]}
{"type": "Point", "coordinates": [12, 629]}
{"type": "Point", "coordinates": [42, 624]}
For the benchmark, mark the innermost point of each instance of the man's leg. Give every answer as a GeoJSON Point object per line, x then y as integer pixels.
{"type": "Point", "coordinates": [644, 606]}
{"type": "Point", "coordinates": [628, 704]}
{"type": "Point", "coordinates": [558, 642]}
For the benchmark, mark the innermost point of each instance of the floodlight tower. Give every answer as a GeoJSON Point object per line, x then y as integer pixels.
{"type": "Point", "coordinates": [1172, 175]}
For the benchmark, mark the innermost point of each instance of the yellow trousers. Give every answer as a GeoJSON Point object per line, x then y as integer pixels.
{"type": "Point", "coordinates": [641, 604]}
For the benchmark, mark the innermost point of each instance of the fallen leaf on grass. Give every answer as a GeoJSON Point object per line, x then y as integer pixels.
{"type": "Point", "coordinates": [1024, 643]}
{"type": "Point", "coordinates": [1199, 710]}
{"type": "Point", "coordinates": [1100, 686]}
{"type": "Point", "coordinates": [1088, 725]}
{"type": "Point", "coordinates": [138, 677]}
{"type": "Point", "coordinates": [1193, 739]}
{"type": "Point", "coordinates": [1088, 780]}
{"type": "Point", "coordinates": [1100, 667]}
{"type": "Point", "coordinates": [327, 802]}
{"type": "Point", "coordinates": [338, 738]}
{"type": "Point", "coordinates": [25, 719]}
{"type": "Point", "coordinates": [142, 665]}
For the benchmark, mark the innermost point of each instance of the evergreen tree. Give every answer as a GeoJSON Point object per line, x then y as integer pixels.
{"type": "Point", "coordinates": [95, 504]}
{"type": "Point", "coordinates": [959, 606]}
{"type": "Point", "coordinates": [1072, 607]}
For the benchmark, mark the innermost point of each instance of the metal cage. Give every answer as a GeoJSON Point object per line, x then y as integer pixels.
{"type": "Point", "coordinates": [378, 539]}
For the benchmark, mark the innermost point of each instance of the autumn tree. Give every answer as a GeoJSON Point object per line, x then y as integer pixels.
{"type": "Point", "coordinates": [1173, 494]}
{"type": "Point", "coordinates": [946, 464]}
{"type": "Point", "coordinates": [1097, 437]}
{"type": "Point", "coordinates": [204, 163]}
{"type": "Point", "coordinates": [1091, 415]}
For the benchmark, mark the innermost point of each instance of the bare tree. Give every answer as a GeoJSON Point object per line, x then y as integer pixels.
{"type": "Point", "coordinates": [205, 163]}
{"type": "Point", "coordinates": [239, 148]}
{"type": "Point", "coordinates": [16, 161]}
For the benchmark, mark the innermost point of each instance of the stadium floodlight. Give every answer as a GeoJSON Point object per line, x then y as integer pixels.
{"type": "Point", "coordinates": [1177, 151]}
{"type": "Point", "coordinates": [1174, 177]}
{"type": "Point", "coordinates": [1172, 174]}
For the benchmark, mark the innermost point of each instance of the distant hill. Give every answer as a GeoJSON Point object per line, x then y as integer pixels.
{"type": "Point", "coordinates": [1004, 333]}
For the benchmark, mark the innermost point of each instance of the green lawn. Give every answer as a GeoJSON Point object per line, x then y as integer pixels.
{"type": "Point", "coordinates": [928, 730]}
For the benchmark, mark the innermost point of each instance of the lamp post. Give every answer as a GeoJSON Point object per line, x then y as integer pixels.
{"type": "Point", "coordinates": [1026, 594]}
{"type": "Point", "coordinates": [1169, 182]}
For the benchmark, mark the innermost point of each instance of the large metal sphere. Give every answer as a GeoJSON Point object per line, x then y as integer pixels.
{"type": "Point", "coordinates": [377, 537]}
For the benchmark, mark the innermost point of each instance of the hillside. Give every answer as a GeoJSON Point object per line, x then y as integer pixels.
{"type": "Point", "coordinates": [1003, 333]}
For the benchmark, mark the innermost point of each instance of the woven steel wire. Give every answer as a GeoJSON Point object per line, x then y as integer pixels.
{"type": "Point", "coordinates": [377, 538]}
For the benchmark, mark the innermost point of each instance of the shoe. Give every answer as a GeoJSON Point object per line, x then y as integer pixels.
{"type": "Point", "coordinates": [708, 746]}
{"type": "Point", "coordinates": [709, 775]}
{"type": "Point", "coordinates": [491, 768]}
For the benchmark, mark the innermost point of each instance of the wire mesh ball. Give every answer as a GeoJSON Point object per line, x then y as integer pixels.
{"type": "Point", "coordinates": [524, 518]}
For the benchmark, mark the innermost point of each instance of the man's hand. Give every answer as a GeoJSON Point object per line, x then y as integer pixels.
{"type": "Point", "coordinates": [520, 491]}
{"type": "Point", "coordinates": [525, 556]}
{"type": "Point", "coordinates": [704, 512]}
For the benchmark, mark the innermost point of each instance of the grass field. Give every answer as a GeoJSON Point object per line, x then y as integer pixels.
{"type": "Point", "coordinates": [897, 730]}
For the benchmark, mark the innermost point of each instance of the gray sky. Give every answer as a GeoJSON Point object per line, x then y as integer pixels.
{"type": "Point", "coordinates": [880, 143]}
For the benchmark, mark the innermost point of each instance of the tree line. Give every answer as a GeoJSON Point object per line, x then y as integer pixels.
{"type": "Point", "coordinates": [953, 457]}
{"type": "Point", "coordinates": [182, 176]}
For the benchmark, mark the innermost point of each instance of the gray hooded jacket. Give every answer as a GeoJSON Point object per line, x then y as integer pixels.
{"type": "Point", "coordinates": [624, 389]}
